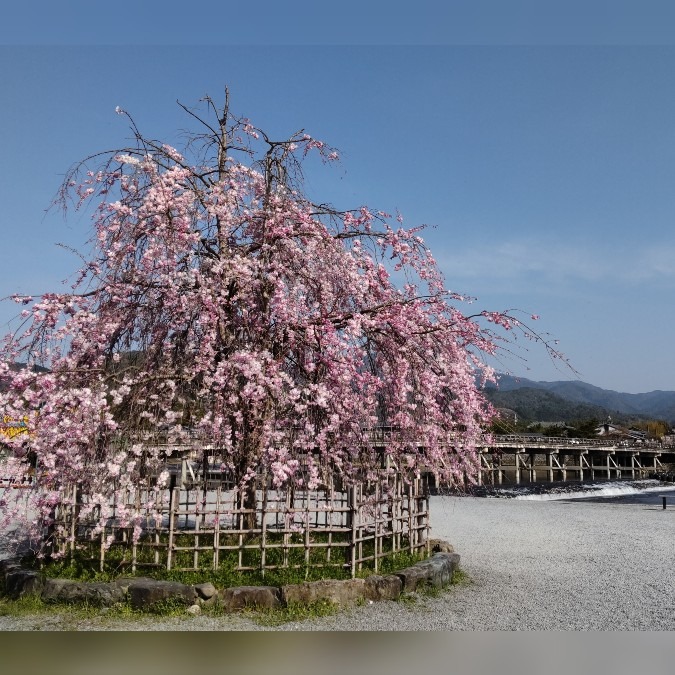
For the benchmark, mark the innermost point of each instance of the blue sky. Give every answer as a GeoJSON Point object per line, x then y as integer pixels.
{"type": "Point", "coordinates": [547, 172]}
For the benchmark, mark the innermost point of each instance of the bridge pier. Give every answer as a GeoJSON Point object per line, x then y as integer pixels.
{"type": "Point", "coordinates": [517, 465]}
{"type": "Point", "coordinates": [549, 466]}
{"type": "Point", "coordinates": [525, 462]}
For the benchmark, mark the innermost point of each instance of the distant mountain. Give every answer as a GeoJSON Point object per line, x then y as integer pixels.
{"type": "Point", "coordinates": [654, 404]}
{"type": "Point", "coordinates": [539, 405]}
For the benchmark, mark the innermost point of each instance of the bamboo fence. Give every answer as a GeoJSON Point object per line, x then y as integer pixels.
{"type": "Point", "coordinates": [202, 521]}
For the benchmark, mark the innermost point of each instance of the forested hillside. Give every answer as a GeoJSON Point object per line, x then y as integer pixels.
{"type": "Point", "coordinates": [538, 405]}
{"type": "Point", "coordinates": [564, 400]}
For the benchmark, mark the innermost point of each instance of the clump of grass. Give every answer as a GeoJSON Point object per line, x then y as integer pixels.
{"type": "Point", "coordinates": [295, 612]}
{"type": "Point", "coordinates": [409, 599]}
{"type": "Point", "coordinates": [24, 606]}
{"type": "Point", "coordinates": [34, 606]}
{"type": "Point", "coordinates": [168, 607]}
{"type": "Point", "coordinates": [459, 577]}
{"type": "Point", "coordinates": [430, 591]}
{"type": "Point", "coordinates": [398, 561]}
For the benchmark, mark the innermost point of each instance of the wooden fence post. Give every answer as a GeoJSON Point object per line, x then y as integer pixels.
{"type": "Point", "coordinates": [173, 507]}
{"type": "Point", "coordinates": [263, 527]}
{"type": "Point", "coordinates": [351, 523]}
{"type": "Point", "coordinates": [73, 522]}
{"type": "Point", "coordinates": [216, 531]}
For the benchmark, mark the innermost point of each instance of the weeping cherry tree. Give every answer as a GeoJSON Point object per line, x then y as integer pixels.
{"type": "Point", "coordinates": [221, 303]}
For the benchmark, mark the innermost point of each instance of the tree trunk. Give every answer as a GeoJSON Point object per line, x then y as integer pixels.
{"type": "Point", "coordinates": [249, 503]}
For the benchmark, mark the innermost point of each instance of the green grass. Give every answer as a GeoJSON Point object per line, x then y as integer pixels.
{"type": "Point", "coordinates": [460, 578]}
{"type": "Point", "coordinates": [81, 567]}
{"type": "Point", "coordinates": [287, 567]}
{"type": "Point", "coordinates": [25, 606]}
{"type": "Point", "coordinates": [32, 606]}
{"type": "Point", "coordinates": [295, 612]}
{"type": "Point", "coordinates": [71, 616]}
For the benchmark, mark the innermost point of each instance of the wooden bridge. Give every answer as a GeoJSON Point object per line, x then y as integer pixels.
{"type": "Point", "coordinates": [504, 459]}
{"type": "Point", "coordinates": [532, 458]}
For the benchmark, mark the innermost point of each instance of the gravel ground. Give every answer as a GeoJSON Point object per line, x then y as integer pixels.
{"type": "Point", "coordinates": [531, 565]}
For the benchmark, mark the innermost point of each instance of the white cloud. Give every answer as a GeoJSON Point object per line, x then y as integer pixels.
{"type": "Point", "coordinates": [654, 262]}
{"type": "Point", "coordinates": [559, 262]}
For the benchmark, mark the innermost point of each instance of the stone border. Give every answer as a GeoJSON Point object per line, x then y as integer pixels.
{"type": "Point", "coordinates": [143, 593]}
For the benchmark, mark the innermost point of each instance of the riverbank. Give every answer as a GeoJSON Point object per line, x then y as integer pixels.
{"type": "Point", "coordinates": [569, 489]}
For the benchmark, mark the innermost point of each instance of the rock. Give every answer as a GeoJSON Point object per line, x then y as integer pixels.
{"type": "Point", "coordinates": [125, 582]}
{"type": "Point", "coordinates": [383, 588]}
{"type": "Point", "coordinates": [412, 577]}
{"type": "Point", "coordinates": [97, 593]}
{"type": "Point", "coordinates": [20, 582]}
{"type": "Point", "coordinates": [436, 571]}
{"type": "Point", "coordinates": [206, 591]}
{"type": "Point", "coordinates": [440, 546]}
{"type": "Point", "coordinates": [194, 610]}
{"type": "Point", "coordinates": [9, 564]}
{"type": "Point", "coordinates": [450, 562]}
{"type": "Point", "coordinates": [143, 594]}
{"type": "Point", "coordinates": [342, 592]}
{"type": "Point", "coordinates": [241, 597]}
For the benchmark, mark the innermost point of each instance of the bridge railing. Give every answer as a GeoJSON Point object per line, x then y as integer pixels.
{"type": "Point", "coordinates": [510, 440]}
{"type": "Point", "coordinates": [192, 439]}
